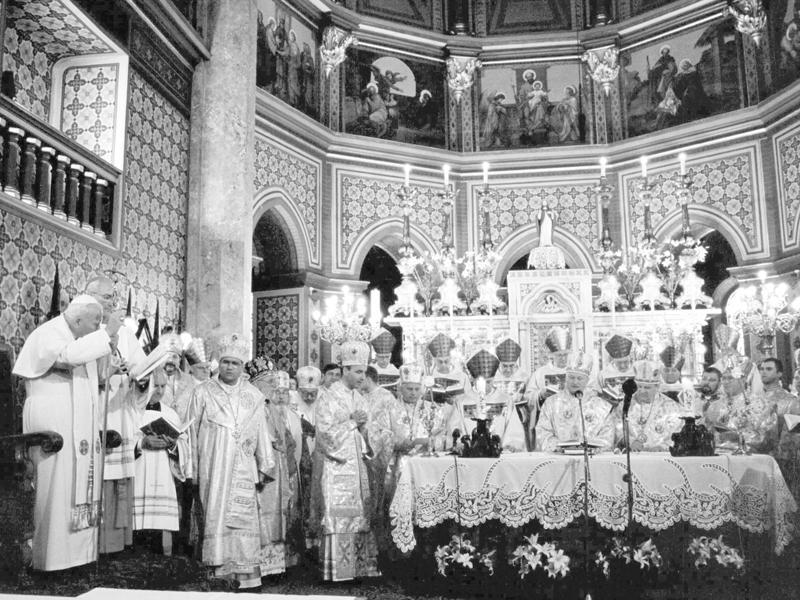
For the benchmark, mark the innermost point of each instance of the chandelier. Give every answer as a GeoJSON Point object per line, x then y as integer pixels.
{"type": "Point", "coordinates": [344, 317]}
{"type": "Point", "coordinates": [764, 311]}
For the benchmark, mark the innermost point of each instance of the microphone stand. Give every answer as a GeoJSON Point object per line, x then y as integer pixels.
{"type": "Point", "coordinates": [586, 478]}
{"type": "Point", "coordinates": [629, 388]}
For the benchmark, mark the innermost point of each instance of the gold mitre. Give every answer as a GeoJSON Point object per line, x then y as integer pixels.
{"type": "Point", "coordinates": [308, 378]}
{"type": "Point", "coordinates": [619, 346]}
{"type": "Point", "coordinates": [354, 353]}
{"type": "Point", "coordinates": [726, 338]}
{"type": "Point", "coordinates": [411, 373]}
{"type": "Point", "coordinates": [580, 361]}
{"type": "Point", "coordinates": [196, 352]}
{"type": "Point", "coordinates": [233, 346]}
{"type": "Point", "coordinates": [647, 371]}
{"type": "Point", "coordinates": [558, 339]}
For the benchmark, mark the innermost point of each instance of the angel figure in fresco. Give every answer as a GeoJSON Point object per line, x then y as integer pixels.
{"type": "Point", "coordinates": [294, 72]}
{"type": "Point", "coordinates": [281, 60]}
{"type": "Point", "coordinates": [565, 116]}
{"type": "Point", "coordinates": [386, 81]}
{"type": "Point", "coordinates": [308, 72]}
{"type": "Point", "coordinates": [494, 120]}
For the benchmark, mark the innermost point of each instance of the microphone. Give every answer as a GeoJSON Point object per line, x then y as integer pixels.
{"type": "Point", "coordinates": [578, 394]}
{"type": "Point", "coordinates": [629, 388]}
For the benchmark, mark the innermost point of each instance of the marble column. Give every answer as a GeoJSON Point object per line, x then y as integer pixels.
{"type": "Point", "coordinates": [220, 224]}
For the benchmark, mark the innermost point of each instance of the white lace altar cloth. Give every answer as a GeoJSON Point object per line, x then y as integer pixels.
{"type": "Point", "coordinates": [708, 491]}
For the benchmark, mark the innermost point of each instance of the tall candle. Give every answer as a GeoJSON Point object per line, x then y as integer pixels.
{"type": "Point", "coordinates": [603, 162]}
{"type": "Point", "coordinates": [446, 172]}
{"type": "Point", "coordinates": [407, 171]}
{"type": "Point", "coordinates": [375, 305]}
{"type": "Point", "coordinates": [643, 160]}
{"type": "Point", "coordinates": [485, 173]}
{"type": "Point", "coordinates": [682, 160]}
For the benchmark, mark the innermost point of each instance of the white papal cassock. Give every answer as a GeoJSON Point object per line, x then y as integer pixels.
{"type": "Point", "coordinates": [62, 396]}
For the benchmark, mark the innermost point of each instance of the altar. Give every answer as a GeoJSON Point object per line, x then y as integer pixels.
{"type": "Point", "coordinates": [706, 492]}
{"type": "Point", "coordinates": [540, 299]}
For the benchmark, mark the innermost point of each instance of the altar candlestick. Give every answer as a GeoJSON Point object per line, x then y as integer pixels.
{"type": "Point", "coordinates": [407, 171]}
{"type": "Point", "coordinates": [485, 174]}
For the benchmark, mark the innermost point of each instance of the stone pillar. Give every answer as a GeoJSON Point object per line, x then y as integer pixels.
{"type": "Point", "coordinates": [220, 224]}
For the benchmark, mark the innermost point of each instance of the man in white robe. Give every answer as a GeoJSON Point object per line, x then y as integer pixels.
{"type": "Point", "coordinates": [383, 344]}
{"type": "Point", "coordinates": [653, 416]}
{"type": "Point", "coordinates": [308, 383]}
{"type": "Point", "coordinates": [159, 461]}
{"type": "Point", "coordinates": [450, 381]}
{"type": "Point", "coordinates": [112, 372]}
{"type": "Point", "coordinates": [548, 379]}
{"type": "Point", "coordinates": [496, 403]}
{"type": "Point", "coordinates": [560, 418]}
{"type": "Point", "coordinates": [58, 364]}
{"type": "Point", "coordinates": [512, 378]}
{"type": "Point", "coordinates": [232, 459]}
{"type": "Point", "coordinates": [342, 504]}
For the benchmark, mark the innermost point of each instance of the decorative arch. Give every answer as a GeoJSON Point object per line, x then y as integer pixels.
{"type": "Point", "coordinates": [525, 239]}
{"type": "Point", "coordinates": [538, 302]}
{"type": "Point", "coordinates": [375, 234]}
{"type": "Point", "coordinates": [670, 226]}
{"type": "Point", "coordinates": [275, 199]}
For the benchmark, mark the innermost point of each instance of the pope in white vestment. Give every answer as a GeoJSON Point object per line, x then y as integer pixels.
{"type": "Point", "coordinates": [58, 364]}
{"type": "Point", "coordinates": [342, 499]}
{"type": "Point", "coordinates": [233, 459]}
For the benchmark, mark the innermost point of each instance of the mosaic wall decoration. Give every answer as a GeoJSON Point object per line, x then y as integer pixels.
{"type": "Point", "coordinates": [787, 152]}
{"type": "Point", "coordinates": [419, 13]}
{"type": "Point", "coordinates": [366, 201]}
{"type": "Point", "coordinates": [783, 30]}
{"type": "Point", "coordinates": [286, 56]}
{"type": "Point", "coordinates": [522, 16]}
{"type": "Point", "coordinates": [530, 105]}
{"type": "Point", "coordinates": [573, 207]}
{"type": "Point", "coordinates": [394, 98]}
{"type": "Point", "coordinates": [278, 330]}
{"type": "Point", "coordinates": [89, 106]}
{"type": "Point", "coordinates": [681, 78]}
{"type": "Point", "coordinates": [299, 178]}
{"type": "Point", "coordinates": [726, 184]}
{"type": "Point", "coordinates": [154, 217]}
{"type": "Point", "coordinates": [39, 33]}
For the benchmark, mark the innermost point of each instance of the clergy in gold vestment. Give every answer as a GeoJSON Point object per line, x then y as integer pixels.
{"type": "Point", "coordinates": [57, 362]}
{"type": "Point", "coordinates": [233, 459]}
{"type": "Point", "coordinates": [653, 416]}
{"type": "Point", "coordinates": [342, 505]}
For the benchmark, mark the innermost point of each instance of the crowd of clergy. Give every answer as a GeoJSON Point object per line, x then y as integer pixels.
{"type": "Point", "coordinates": [255, 471]}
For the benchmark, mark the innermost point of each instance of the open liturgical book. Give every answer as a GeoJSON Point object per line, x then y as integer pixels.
{"type": "Point", "coordinates": [163, 428]}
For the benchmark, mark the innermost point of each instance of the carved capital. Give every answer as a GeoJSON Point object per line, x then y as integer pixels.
{"type": "Point", "coordinates": [461, 74]}
{"type": "Point", "coordinates": [604, 68]}
{"type": "Point", "coordinates": [750, 18]}
{"type": "Point", "coordinates": [335, 42]}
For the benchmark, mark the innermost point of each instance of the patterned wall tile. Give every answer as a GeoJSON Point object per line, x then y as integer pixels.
{"type": "Point", "coordinates": [725, 184]}
{"type": "Point", "coordinates": [299, 178]}
{"type": "Point", "coordinates": [787, 155]}
{"type": "Point", "coordinates": [154, 216]}
{"type": "Point", "coordinates": [278, 330]}
{"type": "Point", "coordinates": [89, 107]}
{"type": "Point", "coordinates": [512, 208]}
{"type": "Point", "coordinates": [39, 33]}
{"type": "Point", "coordinates": [365, 201]}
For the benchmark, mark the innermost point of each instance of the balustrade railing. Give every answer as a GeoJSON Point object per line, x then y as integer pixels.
{"type": "Point", "coordinates": [44, 169]}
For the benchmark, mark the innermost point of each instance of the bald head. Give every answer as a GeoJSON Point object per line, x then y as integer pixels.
{"type": "Point", "coordinates": [101, 288]}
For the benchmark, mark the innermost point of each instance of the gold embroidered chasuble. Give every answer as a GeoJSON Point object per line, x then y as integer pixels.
{"type": "Point", "coordinates": [560, 421]}
{"type": "Point", "coordinates": [230, 448]}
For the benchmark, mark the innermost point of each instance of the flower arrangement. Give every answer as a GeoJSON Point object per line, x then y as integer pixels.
{"type": "Point", "coordinates": [532, 555]}
{"type": "Point", "coordinates": [645, 554]}
{"type": "Point", "coordinates": [461, 553]}
{"type": "Point", "coordinates": [706, 549]}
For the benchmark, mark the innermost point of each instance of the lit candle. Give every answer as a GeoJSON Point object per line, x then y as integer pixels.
{"type": "Point", "coordinates": [603, 162]}
{"type": "Point", "coordinates": [762, 275]}
{"type": "Point", "coordinates": [446, 172]}
{"type": "Point", "coordinates": [643, 160]}
{"type": "Point", "coordinates": [375, 305]}
{"type": "Point", "coordinates": [485, 173]}
{"type": "Point", "coordinates": [682, 160]}
{"type": "Point", "coordinates": [407, 171]}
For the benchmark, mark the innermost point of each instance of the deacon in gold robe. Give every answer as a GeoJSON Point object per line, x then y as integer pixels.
{"type": "Point", "coordinates": [233, 460]}
{"type": "Point", "coordinates": [342, 503]}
